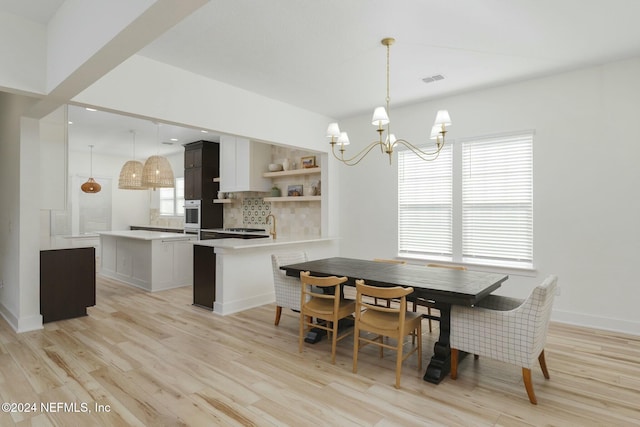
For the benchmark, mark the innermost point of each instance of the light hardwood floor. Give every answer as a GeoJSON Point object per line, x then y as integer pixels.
{"type": "Point", "coordinates": [155, 360]}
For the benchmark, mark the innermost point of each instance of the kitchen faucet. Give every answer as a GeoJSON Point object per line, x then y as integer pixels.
{"type": "Point", "coordinates": [272, 233]}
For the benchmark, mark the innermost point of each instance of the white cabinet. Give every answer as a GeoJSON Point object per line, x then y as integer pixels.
{"type": "Point", "coordinates": [242, 163]}
{"type": "Point", "coordinates": [153, 264]}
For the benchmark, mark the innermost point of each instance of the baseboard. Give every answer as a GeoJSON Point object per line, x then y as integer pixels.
{"type": "Point", "coordinates": [19, 325]}
{"type": "Point", "coordinates": [243, 304]}
{"type": "Point", "coordinates": [596, 322]}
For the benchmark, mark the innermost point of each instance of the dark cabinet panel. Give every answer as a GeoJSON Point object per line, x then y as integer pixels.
{"type": "Point", "coordinates": [201, 166]}
{"type": "Point", "coordinates": [193, 184]}
{"type": "Point", "coordinates": [67, 283]}
{"type": "Point", "coordinates": [211, 214]}
{"type": "Point", "coordinates": [204, 276]}
{"type": "Point", "coordinates": [193, 157]}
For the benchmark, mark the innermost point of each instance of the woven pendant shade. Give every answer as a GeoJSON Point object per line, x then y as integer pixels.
{"type": "Point", "coordinates": [131, 176]}
{"type": "Point", "coordinates": [131, 172]}
{"type": "Point", "coordinates": [157, 173]}
{"type": "Point", "coordinates": [91, 186]}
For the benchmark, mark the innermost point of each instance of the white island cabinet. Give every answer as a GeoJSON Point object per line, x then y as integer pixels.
{"type": "Point", "coordinates": [233, 275]}
{"type": "Point", "coordinates": [151, 260]}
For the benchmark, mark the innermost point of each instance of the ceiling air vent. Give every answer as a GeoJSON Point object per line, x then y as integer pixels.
{"type": "Point", "coordinates": [433, 78]}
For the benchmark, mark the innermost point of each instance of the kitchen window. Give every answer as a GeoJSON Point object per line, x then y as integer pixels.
{"type": "Point", "coordinates": [472, 205]}
{"type": "Point", "coordinates": [172, 199]}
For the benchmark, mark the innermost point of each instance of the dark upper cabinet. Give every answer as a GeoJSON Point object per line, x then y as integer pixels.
{"type": "Point", "coordinates": [201, 166]}
{"type": "Point", "coordinates": [193, 184]}
{"type": "Point", "coordinates": [193, 156]}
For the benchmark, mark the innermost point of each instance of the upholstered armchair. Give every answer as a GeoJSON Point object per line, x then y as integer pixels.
{"type": "Point", "coordinates": [287, 288]}
{"type": "Point", "coordinates": [506, 329]}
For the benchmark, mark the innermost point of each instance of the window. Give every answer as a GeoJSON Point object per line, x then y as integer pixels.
{"type": "Point", "coordinates": [172, 199]}
{"type": "Point", "coordinates": [425, 204]}
{"type": "Point", "coordinates": [474, 204]}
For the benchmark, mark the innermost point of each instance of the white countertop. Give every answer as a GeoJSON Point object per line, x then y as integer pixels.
{"type": "Point", "coordinates": [159, 227]}
{"type": "Point", "coordinates": [259, 243]}
{"type": "Point", "coordinates": [53, 243]}
{"type": "Point", "coordinates": [147, 235]}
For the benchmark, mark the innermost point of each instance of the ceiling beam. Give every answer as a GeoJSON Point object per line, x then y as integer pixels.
{"type": "Point", "coordinates": [153, 22]}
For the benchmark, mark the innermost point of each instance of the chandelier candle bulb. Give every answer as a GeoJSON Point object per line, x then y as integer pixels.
{"type": "Point", "coordinates": [387, 143]}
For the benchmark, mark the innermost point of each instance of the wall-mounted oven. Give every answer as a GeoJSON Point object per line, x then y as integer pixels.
{"type": "Point", "coordinates": [192, 215]}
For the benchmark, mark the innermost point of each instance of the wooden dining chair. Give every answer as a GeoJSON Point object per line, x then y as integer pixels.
{"type": "Point", "coordinates": [506, 329]}
{"type": "Point", "coordinates": [321, 298]}
{"type": "Point", "coordinates": [429, 304]}
{"type": "Point", "coordinates": [393, 322]}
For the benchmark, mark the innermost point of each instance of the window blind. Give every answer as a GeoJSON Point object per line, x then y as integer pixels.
{"type": "Point", "coordinates": [425, 204]}
{"type": "Point", "coordinates": [172, 199]}
{"type": "Point", "coordinates": [497, 200]}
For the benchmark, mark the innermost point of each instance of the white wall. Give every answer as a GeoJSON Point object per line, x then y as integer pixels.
{"type": "Point", "coordinates": [19, 301]}
{"type": "Point", "coordinates": [587, 209]}
{"type": "Point", "coordinates": [148, 88]}
{"type": "Point", "coordinates": [129, 207]}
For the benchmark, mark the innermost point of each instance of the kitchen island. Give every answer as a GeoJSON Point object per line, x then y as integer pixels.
{"type": "Point", "coordinates": [232, 275]}
{"type": "Point", "coordinates": [150, 260]}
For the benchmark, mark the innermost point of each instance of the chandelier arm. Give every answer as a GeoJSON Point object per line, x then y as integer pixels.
{"type": "Point", "coordinates": [358, 157]}
{"type": "Point", "coordinates": [418, 152]}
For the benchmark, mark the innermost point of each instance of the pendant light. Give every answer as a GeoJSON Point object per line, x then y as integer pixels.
{"type": "Point", "coordinates": [157, 172]}
{"type": "Point", "coordinates": [131, 172]}
{"type": "Point", "coordinates": [91, 186]}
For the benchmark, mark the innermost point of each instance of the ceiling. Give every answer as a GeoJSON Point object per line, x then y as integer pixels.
{"type": "Point", "coordinates": [113, 134]}
{"type": "Point", "coordinates": [325, 56]}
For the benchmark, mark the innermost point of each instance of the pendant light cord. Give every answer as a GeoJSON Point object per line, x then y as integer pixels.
{"type": "Point", "coordinates": [91, 161]}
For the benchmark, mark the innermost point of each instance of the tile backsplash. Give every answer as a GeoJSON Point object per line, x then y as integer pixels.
{"type": "Point", "coordinates": [157, 220]}
{"type": "Point", "coordinates": [255, 211]}
{"type": "Point", "coordinates": [293, 218]}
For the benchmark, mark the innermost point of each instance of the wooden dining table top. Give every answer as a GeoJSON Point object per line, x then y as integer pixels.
{"type": "Point", "coordinates": [439, 284]}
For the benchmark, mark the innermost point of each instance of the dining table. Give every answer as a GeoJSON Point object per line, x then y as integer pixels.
{"type": "Point", "coordinates": [444, 286]}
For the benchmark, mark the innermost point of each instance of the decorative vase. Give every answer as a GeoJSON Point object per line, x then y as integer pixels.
{"type": "Point", "coordinates": [275, 192]}
{"type": "Point", "coordinates": [286, 165]}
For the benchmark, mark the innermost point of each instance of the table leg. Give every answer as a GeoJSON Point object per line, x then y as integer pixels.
{"type": "Point", "coordinates": [440, 363]}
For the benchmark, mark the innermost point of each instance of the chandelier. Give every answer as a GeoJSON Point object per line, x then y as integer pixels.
{"type": "Point", "coordinates": [389, 142]}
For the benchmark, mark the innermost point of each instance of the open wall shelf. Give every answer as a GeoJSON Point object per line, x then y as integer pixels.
{"type": "Point", "coordinates": [294, 172]}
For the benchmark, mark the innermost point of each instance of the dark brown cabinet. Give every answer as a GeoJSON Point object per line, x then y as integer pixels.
{"type": "Point", "coordinates": [67, 283]}
{"type": "Point", "coordinates": [193, 156]}
{"type": "Point", "coordinates": [193, 184]}
{"type": "Point", "coordinates": [204, 276]}
{"type": "Point", "coordinates": [201, 166]}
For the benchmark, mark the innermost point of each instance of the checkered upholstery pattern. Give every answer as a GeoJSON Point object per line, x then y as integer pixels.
{"type": "Point", "coordinates": [287, 288]}
{"type": "Point", "coordinates": [505, 329]}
